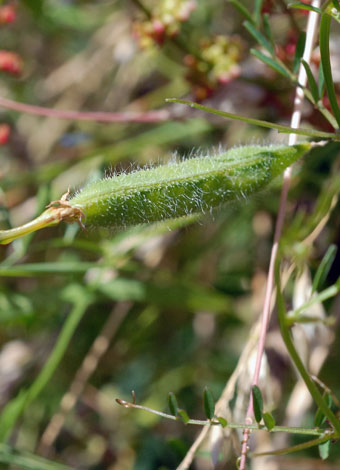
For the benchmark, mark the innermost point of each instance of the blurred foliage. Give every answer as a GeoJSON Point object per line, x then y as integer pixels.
{"type": "Point", "coordinates": [193, 286]}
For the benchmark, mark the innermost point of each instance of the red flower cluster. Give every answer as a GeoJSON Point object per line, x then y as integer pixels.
{"type": "Point", "coordinates": [7, 14]}
{"type": "Point", "coordinates": [10, 62]}
{"type": "Point", "coordinates": [165, 22]}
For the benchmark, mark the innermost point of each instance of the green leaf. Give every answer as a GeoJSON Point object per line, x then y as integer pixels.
{"type": "Point", "coordinates": [311, 82]}
{"type": "Point", "coordinates": [268, 30]}
{"type": "Point", "coordinates": [324, 449]}
{"type": "Point", "coordinates": [259, 37]}
{"type": "Point", "coordinates": [324, 267]}
{"type": "Point", "coordinates": [209, 403]}
{"type": "Point", "coordinates": [304, 6]}
{"type": "Point", "coordinates": [257, 11]}
{"type": "Point", "coordinates": [242, 9]}
{"type": "Point", "coordinates": [183, 415]}
{"type": "Point", "coordinates": [257, 403]}
{"type": "Point", "coordinates": [173, 405]}
{"type": "Point", "coordinates": [299, 50]}
{"type": "Point", "coordinates": [269, 421]}
{"type": "Point", "coordinates": [272, 63]}
{"type": "Point", "coordinates": [326, 64]}
{"type": "Point", "coordinates": [223, 422]}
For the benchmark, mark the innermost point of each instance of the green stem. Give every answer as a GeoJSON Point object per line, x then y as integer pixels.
{"type": "Point", "coordinates": [313, 389]}
{"type": "Point", "coordinates": [297, 448]}
{"type": "Point", "coordinates": [213, 422]}
{"type": "Point", "coordinates": [258, 122]}
{"type": "Point", "coordinates": [46, 219]}
{"type": "Point", "coordinates": [325, 24]}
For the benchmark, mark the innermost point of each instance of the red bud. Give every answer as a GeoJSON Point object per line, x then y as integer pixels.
{"type": "Point", "coordinates": [5, 132]}
{"type": "Point", "coordinates": [10, 62]}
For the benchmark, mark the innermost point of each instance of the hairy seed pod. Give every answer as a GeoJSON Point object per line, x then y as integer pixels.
{"type": "Point", "coordinates": [181, 188]}
{"type": "Point", "coordinates": [174, 190]}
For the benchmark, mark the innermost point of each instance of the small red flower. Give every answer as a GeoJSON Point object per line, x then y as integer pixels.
{"type": "Point", "coordinates": [5, 132]}
{"type": "Point", "coordinates": [7, 14]}
{"type": "Point", "coordinates": [10, 62]}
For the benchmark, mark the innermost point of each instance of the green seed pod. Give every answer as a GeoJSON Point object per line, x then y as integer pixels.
{"type": "Point", "coordinates": [174, 190]}
{"type": "Point", "coordinates": [182, 188]}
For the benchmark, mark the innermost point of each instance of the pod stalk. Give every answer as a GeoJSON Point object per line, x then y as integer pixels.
{"type": "Point", "coordinates": [56, 212]}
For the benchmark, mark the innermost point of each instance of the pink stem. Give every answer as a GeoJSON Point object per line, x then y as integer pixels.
{"type": "Point", "coordinates": [295, 122]}
{"type": "Point", "coordinates": [149, 116]}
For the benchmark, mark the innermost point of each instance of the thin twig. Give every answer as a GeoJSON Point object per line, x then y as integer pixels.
{"type": "Point", "coordinates": [129, 116]}
{"type": "Point", "coordinates": [215, 421]}
{"type": "Point", "coordinates": [227, 394]}
{"type": "Point", "coordinates": [88, 366]}
{"type": "Point", "coordinates": [295, 122]}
